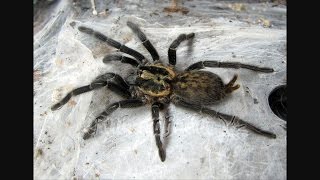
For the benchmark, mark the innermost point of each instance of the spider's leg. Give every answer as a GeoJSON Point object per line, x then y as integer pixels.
{"type": "Point", "coordinates": [113, 81]}
{"type": "Point", "coordinates": [236, 65]}
{"type": "Point", "coordinates": [112, 42]}
{"type": "Point", "coordinates": [167, 122]}
{"type": "Point", "coordinates": [156, 130]}
{"type": "Point", "coordinates": [123, 59]}
{"type": "Point", "coordinates": [146, 43]}
{"type": "Point", "coordinates": [233, 120]}
{"type": "Point", "coordinates": [173, 47]}
{"type": "Point", "coordinates": [129, 103]}
{"type": "Point", "coordinates": [116, 84]}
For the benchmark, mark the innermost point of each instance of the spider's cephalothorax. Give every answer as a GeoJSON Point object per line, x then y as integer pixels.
{"type": "Point", "coordinates": [159, 84]}
{"type": "Point", "coordinates": [154, 80]}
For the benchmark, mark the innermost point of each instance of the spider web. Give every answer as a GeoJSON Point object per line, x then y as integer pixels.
{"type": "Point", "coordinates": [124, 148]}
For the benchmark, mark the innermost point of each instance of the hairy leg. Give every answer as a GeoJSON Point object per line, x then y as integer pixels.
{"type": "Point", "coordinates": [129, 103]}
{"type": "Point", "coordinates": [122, 59]}
{"type": "Point", "coordinates": [156, 130]}
{"type": "Point", "coordinates": [113, 81]}
{"type": "Point", "coordinates": [167, 122]}
{"type": "Point", "coordinates": [236, 65]}
{"type": "Point", "coordinates": [233, 120]}
{"type": "Point", "coordinates": [146, 43]}
{"type": "Point", "coordinates": [173, 47]}
{"type": "Point", "coordinates": [112, 43]}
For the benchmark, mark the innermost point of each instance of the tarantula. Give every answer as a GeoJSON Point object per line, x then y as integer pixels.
{"type": "Point", "coordinates": [158, 84]}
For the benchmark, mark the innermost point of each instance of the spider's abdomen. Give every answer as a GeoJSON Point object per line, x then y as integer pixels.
{"type": "Point", "coordinates": [200, 87]}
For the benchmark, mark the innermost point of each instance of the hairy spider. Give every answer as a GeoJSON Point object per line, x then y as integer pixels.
{"type": "Point", "coordinates": [158, 84]}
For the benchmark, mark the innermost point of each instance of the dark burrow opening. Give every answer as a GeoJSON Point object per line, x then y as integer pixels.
{"type": "Point", "coordinates": [278, 101]}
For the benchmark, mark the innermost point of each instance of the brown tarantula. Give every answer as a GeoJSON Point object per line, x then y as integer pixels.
{"type": "Point", "coordinates": [158, 84]}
